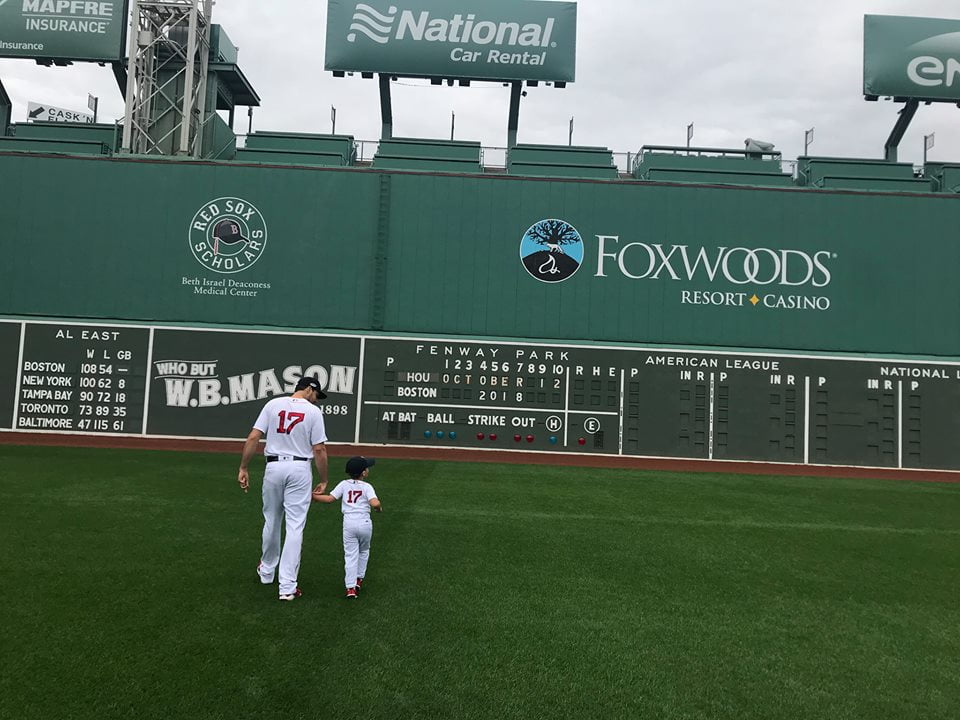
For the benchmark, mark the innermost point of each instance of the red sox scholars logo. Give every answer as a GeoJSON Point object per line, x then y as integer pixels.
{"type": "Point", "coordinates": [227, 235]}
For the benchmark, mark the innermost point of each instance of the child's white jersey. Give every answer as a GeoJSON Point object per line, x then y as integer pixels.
{"type": "Point", "coordinates": [355, 497]}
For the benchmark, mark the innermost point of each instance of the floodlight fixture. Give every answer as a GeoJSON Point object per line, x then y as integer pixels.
{"type": "Point", "coordinates": [367, 75]}
{"type": "Point", "coordinates": [560, 85]}
{"type": "Point", "coordinates": [533, 83]}
{"type": "Point", "coordinates": [339, 73]}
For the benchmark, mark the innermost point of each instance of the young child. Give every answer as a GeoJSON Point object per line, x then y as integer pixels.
{"type": "Point", "coordinates": [356, 497]}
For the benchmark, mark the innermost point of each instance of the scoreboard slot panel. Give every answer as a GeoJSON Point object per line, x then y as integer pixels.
{"type": "Point", "coordinates": [913, 449]}
{"type": "Point", "coordinates": [596, 394]}
{"type": "Point", "coordinates": [931, 425]}
{"type": "Point", "coordinates": [631, 419]}
{"type": "Point", "coordinates": [721, 437]}
{"type": "Point", "coordinates": [542, 392]}
{"type": "Point", "coordinates": [9, 360]}
{"type": "Point", "coordinates": [758, 421]}
{"type": "Point", "coordinates": [701, 427]}
{"type": "Point", "coordinates": [398, 431]}
{"type": "Point", "coordinates": [854, 428]}
{"type": "Point", "coordinates": [665, 419]}
{"type": "Point", "coordinates": [820, 423]}
{"type": "Point", "coordinates": [881, 425]}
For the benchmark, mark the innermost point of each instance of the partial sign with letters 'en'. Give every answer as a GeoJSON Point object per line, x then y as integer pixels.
{"type": "Point", "coordinates": [911, 57]}
{"type": "Point", "coordinates": [480, 39]}
{"type": "Point", "coordinates": [63, 29]}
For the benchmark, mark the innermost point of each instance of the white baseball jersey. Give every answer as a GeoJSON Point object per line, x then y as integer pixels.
{"type": "Point", "coordinates": [292, 426]}
{"type": "Point", "coordinates": [355, 497]}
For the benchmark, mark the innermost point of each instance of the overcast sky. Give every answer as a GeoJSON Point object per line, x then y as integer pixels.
{"type": "Point", "coordinates": [766, 69]}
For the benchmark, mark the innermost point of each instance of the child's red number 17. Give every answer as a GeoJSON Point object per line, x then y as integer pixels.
{"type": "Point", "coordinates": [354, 495]}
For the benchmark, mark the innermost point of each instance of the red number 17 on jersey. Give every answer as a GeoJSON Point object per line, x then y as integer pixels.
{"type": "Point", "coordinates": [295, 419]}
{"type": "Point", "coordinates": [354, 495]}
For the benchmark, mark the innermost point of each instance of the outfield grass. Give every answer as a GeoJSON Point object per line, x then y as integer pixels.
{"type": "Point", "coordinates": [494, 591]}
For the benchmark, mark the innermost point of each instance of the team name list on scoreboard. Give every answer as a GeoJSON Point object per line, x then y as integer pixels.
{"type": "Point", "coordinates": [81, 378]}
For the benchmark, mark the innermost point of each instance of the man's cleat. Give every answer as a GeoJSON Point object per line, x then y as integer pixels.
{"type": "Point", "coordinates": [359, 583]}
{"type": "Point", "coordinates": [292, 596]}
{"type": "Point", "coordinates": [261, 578]}
{"type": "Point", "coordinates": [352, 593]}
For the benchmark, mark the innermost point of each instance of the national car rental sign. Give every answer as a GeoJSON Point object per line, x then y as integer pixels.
{"type": "Point", "coordinates": [479, 39]}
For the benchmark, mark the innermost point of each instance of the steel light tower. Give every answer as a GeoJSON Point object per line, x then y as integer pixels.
{"type": "Point", "coordinates": [169, 51]}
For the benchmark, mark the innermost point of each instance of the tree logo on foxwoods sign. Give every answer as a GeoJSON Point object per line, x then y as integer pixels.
{"type": "Point", "coordinates": [551, 250]}
{"type": "Point", "coordinates": [227, 235]}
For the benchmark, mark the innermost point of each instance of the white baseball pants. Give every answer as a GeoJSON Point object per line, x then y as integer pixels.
{"type": "Point", "coordinates": [357, 532]}
{"type": "Point", "coordinates": [286, 492]}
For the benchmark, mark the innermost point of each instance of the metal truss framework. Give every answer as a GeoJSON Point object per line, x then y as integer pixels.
{"type": "Point", "coordinates": [169, 51]}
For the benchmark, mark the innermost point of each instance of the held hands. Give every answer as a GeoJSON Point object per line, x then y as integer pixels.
{"type": "Point", "coordinates": [243, 477]}
{"type": "Point", "coordinates": [319, 490]}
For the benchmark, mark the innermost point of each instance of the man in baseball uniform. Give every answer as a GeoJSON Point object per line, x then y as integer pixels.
{"type": "Point", "coordinates": [295, 434]}
{"type": "Point", "coordinates": [356, 497]}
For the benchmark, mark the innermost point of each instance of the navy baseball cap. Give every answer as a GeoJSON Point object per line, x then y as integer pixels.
{"type": "Point", "coordinates": [311, 382]}
{"type": "Point", "coordinates": [356, 465]}
{"type": "Point", "coordinates": [228, 231]}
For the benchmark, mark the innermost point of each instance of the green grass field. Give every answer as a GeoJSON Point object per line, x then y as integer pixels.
{"type": "Point", "coordinates": [494, 591]}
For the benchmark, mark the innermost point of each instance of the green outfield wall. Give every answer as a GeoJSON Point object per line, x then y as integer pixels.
{"type": "Point", "coordinates": [477, 255]}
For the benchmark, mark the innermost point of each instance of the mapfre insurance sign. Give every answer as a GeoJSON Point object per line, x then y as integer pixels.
{"type": "Point", "coordinates": [482, 39]}
{"type": "Point", "coordinates": [911, 57]}
{"type": "Point", "coordinates": [91, 30]}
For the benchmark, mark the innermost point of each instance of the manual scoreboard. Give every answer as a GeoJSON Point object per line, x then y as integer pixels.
{"type": "Point", "coordinates": [74, 378]}
{"type": "Point", "coordinates": [472, 393]}
{"type": "Point", "coordinates": [664, 403]}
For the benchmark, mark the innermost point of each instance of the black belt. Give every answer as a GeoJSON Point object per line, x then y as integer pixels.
{"type": "Point", "coordinates": [275, 458]}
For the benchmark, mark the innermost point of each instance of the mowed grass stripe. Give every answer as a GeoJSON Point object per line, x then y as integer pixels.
{"type": "Point", "coordinates": [494, 592]}
{"type": "Point", "coordinates": [732, 523]}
